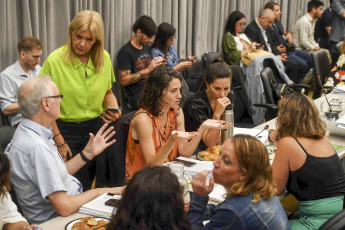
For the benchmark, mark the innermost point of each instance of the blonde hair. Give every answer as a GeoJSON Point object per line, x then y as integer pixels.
{"type": "Point", "coordinates": [299, 117]}
{"type": "Point", "coordinates": [253, 159]}
{"type": "Point", "coordinates": [87, 20]}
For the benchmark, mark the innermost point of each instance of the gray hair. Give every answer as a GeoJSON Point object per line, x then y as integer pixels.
{"type": "Point", "coordinates": [266, 13]}
{"type": "Point", "coordinates": [31, 94]}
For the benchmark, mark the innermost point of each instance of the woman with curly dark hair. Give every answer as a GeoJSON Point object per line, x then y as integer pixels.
{"type": "Point", "coordinates": [152, 200]}
{"type": "Point", "coordinates": [157, 130]}
{"type": "Point", "coordinates": [306, 164]}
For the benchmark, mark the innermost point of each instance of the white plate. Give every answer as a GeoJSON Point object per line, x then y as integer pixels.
{"type": "Point", "coordinates": [70, 224]}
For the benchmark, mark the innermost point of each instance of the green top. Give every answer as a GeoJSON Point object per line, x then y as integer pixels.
{"type": "Point", "coordinates": [232, 56]}
{"type": "Point", "coordinates": [83, 88]}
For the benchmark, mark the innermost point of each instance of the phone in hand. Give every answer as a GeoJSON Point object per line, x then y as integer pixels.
{"type": "Point", "coordinates": [167, 55]}
{"type": "Point", "coordinates": [112, 109]}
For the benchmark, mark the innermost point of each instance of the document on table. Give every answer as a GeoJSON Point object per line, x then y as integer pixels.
{"type": "Point", "coordinates": [97, 206]}
{"type": "Point", "coordinates": [263, 136]}
{"type": "Point", "coordinates": [198, 167]}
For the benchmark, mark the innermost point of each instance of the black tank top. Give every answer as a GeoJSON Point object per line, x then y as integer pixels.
{"type": "Point", "coordinates": [318, 178]}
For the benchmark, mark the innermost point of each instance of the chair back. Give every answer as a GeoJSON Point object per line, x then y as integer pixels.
{"type": "Point", "coordinates": [268, 78]}
{"type": "Point", "coordinates": [269, 62]}
{"type": "Point", "coordinates": [321, 64]}
{"type": "Point", "coordinates": [193, 75]}
{"type": "Point", "coordinates": [337, 222]}
{"type": "Point", "coordinates": [6, 135]}
{"type": "Point", "coordinates": [210, 57]}
{"type": "Point", "coordinates": [242, 104]}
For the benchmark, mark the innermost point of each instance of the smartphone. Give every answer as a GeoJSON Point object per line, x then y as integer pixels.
{"type": "Point", "coordinates": [112, 109]}
{"type": "Point", "coordinates": [112, 202]}
{"type": "Point", "coordinates": [193, 58]}
{"type": "Point", "coordinates": [167, 55]}
{"type": "Point", "coordinates": [186, 163]}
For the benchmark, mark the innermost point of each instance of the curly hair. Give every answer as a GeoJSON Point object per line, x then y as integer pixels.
{"type": "Point", "coordinates": [298, 116]}
{"type": "Point", "coordinates": [157, 82]}
{"type": "Point", "coordinates": [5, 182]}
{"type": "Point", "coordinates": [253, 159]}
{"type": "Point", "coordinates": [152, 200]}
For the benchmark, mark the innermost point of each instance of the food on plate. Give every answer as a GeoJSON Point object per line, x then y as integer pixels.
{"type": "Point", "coordinates": [210, 154]}
{"type": "Point", "coordinates": [80, 225]}
{"type": "Point", "coordinates": [90, 223]}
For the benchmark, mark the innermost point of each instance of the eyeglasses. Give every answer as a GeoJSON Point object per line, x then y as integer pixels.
{"type": "Point", "coordinates": [241, 23]}
{"type": "Point", "coordinates": [57, 96]}
{"type": "Point", "coordinates": [173, 37]}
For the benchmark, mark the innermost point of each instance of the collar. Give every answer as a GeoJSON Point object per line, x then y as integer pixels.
{"type": "Point", "coordinates": [260, 27]}
{"type": "Point", "coordinates": [42, 131]}
{"type": "Point", "coordinates": [309, 17]}
{"type": "Point", "coordinates": [77, 63]}
{"type": "Point", "coordinates": [20, 70]}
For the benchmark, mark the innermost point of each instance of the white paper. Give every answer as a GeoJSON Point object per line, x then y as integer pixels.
{"type": "Point", "coordinates": [263, 136]}
{"type": "Point", "coordinates": [97, 206]}
{"type": "Point", "coordinates": [218, 194]}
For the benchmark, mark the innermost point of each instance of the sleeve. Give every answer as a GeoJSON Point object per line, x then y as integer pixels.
{"type": "Point", "coordinates": [232, 56]}
{"type": "Point", "coordinates": [46, 70]}
{"type": "Point", "coordinates": [220, 218]}
{"type": "Point", "coordinates": [7, 93]}
{"type": "Point", "coordinates": [9, 210]}
{"type": "Point", "coordinates": [124, 60]}
{"type": "Point", "coordinates": [197, 112]}
{"type": "Point", "coordinates": [327, 20]}
{"type": "Point", "coordinates": [305, 42]}
{"type": "Point", "coordinates": [47, 175]}
{"type": "Point", "coordinates": [338, 8]}
{"type": "Point", "coordinates": [251, 34]}
{"type": "Point", "coordinates": [155, 52]}
{"type": "Point", "coordinates": [108, 64]}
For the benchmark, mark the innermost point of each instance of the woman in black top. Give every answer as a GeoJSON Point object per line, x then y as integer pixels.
{"type": "Point", "coordinates": [305, 162]}
{"type": "Point", "coordinates": [210, 102]}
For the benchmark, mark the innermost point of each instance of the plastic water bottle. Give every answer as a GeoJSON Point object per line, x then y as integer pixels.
{"type": "Point", "coordinates": [228, 116]}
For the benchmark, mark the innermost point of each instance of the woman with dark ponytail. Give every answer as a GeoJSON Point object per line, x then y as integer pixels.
{"type": "Point", "coordinates": [210, 102]}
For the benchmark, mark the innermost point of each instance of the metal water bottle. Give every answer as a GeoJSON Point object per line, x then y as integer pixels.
{"type": "Point", "coordinates": [228, 116]}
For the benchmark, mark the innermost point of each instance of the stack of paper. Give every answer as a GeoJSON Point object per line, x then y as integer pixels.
{"type": "Point", "coordinates": [339, 90]}
{"type": "Point", "coordinates": [260, 134]}
{"type": "Point", "coordinates": [97, 206]}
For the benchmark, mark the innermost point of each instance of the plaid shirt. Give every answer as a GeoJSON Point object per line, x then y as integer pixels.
{"type": "Point", "coordinates": [304, 33]}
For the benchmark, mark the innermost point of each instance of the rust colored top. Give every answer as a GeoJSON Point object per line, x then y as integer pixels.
{"type": "Point", "coordinates": [134, 157]}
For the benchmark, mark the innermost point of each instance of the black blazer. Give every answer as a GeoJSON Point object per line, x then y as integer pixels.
{"type": "Point", "coordinates": [253, 32]}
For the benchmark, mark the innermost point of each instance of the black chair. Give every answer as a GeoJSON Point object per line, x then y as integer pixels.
{"type": "Point", "coordinates": [321, 69]}
{"type": "Point", "coordinates": [117, 160]}
{"type": "Point", "coordinates": [209, 58]}
{"type": "Point", "coordinates": [268, 78]}
{"type": "Point", "coordinates": [337, 222]}
{"type": "Point", "coordinates": [242, 111]}
{"type": "Point", "coordinates": [6, 131]}
{"type": "Point", "coordinates": [4, 119]}
{"type": "Point", "coordinates": [192, 74]}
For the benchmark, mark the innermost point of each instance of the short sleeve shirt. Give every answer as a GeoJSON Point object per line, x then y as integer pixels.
{"type": "Point", "coordinates": [10, 81]}
{"type": "Point", "coordinates": [37, 170]}
{"type": "Point", "coordinates": [133, 59]}
{"type": "Point", "coordinates": [172, 60]}
{"type": "Point", "coordinates": [83, 88]}
{"type": "Point", "coordinates": [8, 211]}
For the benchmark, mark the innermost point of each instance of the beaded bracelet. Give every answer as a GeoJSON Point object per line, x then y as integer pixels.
{"type": "Point", "coordinates": [56, 135]}
{"type": "Point", "coordinates": [58, 146]}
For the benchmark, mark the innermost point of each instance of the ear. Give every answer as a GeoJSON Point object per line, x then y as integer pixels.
{"type": "Point", "coordinates": [139, 32]}
{"type": "Point", "coordinates": [45, 104]}
{"type": "Point", "coordinates": [243, 176]}
{"type": "Point", "coordinates": [22, 54]}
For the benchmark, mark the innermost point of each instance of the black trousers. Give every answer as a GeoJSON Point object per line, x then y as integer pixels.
{"type": "Point", "coordinates": [292, 70]}
{"type": "Point", "coordinates": [76, 135]}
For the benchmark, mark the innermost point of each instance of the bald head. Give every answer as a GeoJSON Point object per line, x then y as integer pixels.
{"type": "Point", "coordinates": [266, 18]}
{"type": "Point", "coordinates": [31, 94]}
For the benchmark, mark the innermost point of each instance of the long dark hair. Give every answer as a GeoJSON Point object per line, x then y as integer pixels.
{"type": "Point", "coordinates": [156, 83]}
{"type": "Point", "coordinates": [152, 200]}
{"type": "Point", "coordinates": [217, 70]}
{"type": "Point", "coordinates": [5, 182]}
{"type": "Point", "coordinates": [231, 23]}
{"type": "Point", "coordinates": [165, 32]}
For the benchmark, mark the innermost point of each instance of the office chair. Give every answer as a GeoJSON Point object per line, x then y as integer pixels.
{"type": "Point", "coordinates": [321, 69]}
{"type": "Point", "coordinates": [337, 222]}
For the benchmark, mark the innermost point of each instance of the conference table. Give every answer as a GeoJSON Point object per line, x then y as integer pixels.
{"type": "Point", "coordinates": [60, 222]}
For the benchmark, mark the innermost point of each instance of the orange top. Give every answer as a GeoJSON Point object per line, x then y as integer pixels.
{"type": "Point", "coordinates": [134, 157]}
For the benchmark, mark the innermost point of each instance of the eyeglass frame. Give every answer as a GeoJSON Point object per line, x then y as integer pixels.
{"type": "Point", "coordinates": [173, 37]}
{"type": "Point", "coordinates": [60, 96]}
{"type": "Point", "coordinates": [241, 23]}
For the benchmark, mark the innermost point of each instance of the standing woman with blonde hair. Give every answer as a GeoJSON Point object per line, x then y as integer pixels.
{"type": "Point", "coordinates": [84, 74]}
{"type": "Point", "coordinates": [244, 169]}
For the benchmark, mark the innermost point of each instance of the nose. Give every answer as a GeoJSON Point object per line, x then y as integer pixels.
{"type": "Point", "coordinates": [179, 94]}
{"type": "Point", "coordinates": [222, 94]}
{"type": "Point", "coordinates": [151, 39]}
{"type": "Point", "coordinates": [82, 42]}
